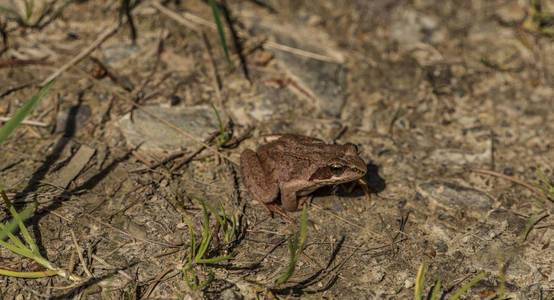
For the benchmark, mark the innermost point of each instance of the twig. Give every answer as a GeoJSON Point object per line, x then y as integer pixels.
{"type": "Point", "coordinates": [106, 33]}
{"type": "Point", "coordinates": [24, 62]}
{"type": "Point", "coordinates": [156, 281]}
{"type": "Point", "coordinates": [80, 254]}
{"type": "Point", "coordinates": [26, 122]}
{"type": "Point", "coordinates": [175, 16]}
{"type": "Point", "coordinates": [105, 264]}
{"type": "Point", "coordinates": [162, 120]}
{"type": "Point", "coordinates": [347, 221]}
{"type": "Point", "coordinates": [512, 179]}
{"type": "Point", "coordinates": [129, 235]}
{"type": "Point", "coordinates": [16, 88]}
{"type": "Point", "coordinates": [301, 52]}
{"type": "Point", "coordinates": [192, 21]}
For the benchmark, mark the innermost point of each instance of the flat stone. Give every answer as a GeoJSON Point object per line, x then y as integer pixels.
{"type": "Point", "coordinates": [154, 137]}
{"type": "Point", "coordinates": [460, 157]}
{"type": "Point", "coordinates": [322, 81]}
{"type": "Point", "coordinates": [63, 177]}
{"type": "Point", "coordinates": [116, 53]}
{"type": "Point", "coordinates": [451, 195]}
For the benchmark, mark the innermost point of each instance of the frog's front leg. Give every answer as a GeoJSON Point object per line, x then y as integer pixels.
{"type": "Point", "coordinates": [289, 199]}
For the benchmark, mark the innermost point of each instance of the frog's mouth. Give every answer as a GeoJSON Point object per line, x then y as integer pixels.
{"type": "Point", "coordinates": [327, 175]}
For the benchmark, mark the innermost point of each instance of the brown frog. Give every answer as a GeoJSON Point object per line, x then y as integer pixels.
{"type": "Point", "coordinates": [293, 166]}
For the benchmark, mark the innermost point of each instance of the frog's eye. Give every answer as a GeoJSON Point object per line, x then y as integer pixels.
{"type": "Point", "coordinates": [336, 168]}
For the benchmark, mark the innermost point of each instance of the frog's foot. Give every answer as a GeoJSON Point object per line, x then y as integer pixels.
{"type": "Point", "coordinates": [275, 208]}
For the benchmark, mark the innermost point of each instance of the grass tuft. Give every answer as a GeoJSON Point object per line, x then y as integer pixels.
{"type": "Point", "coordinates": [198, 250]}
{"type": "Point", "coordinates": [418, 293]}
{"type": "Point", "coordinates": [220, 31]}
{"type": "Point", "coordinates": [223, 135]}
{"type": "Point", "coordinates": [296, 246]}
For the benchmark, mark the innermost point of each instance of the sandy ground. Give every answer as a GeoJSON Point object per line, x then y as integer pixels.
{"type": "Point", "coordinates": [429, 93]}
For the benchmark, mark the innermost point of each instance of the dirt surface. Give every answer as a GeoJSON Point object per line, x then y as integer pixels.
{"type": "Point", "coordinates": [428, 92]}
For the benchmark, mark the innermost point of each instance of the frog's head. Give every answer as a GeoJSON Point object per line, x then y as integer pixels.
{"type": "Point", "coordinates": [340, 166]}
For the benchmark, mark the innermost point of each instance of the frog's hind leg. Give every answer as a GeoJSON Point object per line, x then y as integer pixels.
{"type": "Point", "coordinates": [259, 182]}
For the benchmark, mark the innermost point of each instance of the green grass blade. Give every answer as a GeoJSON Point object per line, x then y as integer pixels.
{"type": "Point", "coordinates": [230, 234]}
{"type": "Point", "coordinates": [418, 291]}
{"type": "Point", "coordinates": [296, 246]}
{"type": "Point", "coordinates": [215, 259]}
{"type": "Point", "coordinates": [210, 208]}
{"type": "Point", "coordinates": [223, 215]}
{"type": "Point", "coordinates": [206, 235]}
{"type": "Point", "coordinates": [30, 275]}
{"type": "Point", "coordinates": [12, 237]}
{"type": "Point", "coordinates": [205, 283]}
{"type": "Point", "coordinates": [13, 225]}
{"type": "Point", "coordinates": [17, 221]}
{"type": "Point", "coordinates": [29, 5]}
{"type": "Point", "coordinates": [21, 251]}
{"type": "Point", "coordinates": [467, 286]}
{"type": "Point", "coordinates": [436, 289]}
{"type": "Point", "coordinates": [550, 190]}
{"type": "Point", "coordinates": [23, 112]}
{"type": "Point", "coordinates": [223, 136]}
{"type": "Point", "coordinates": [192, 240]}
{"type": "Point", "coordinates": [220, 31]}
{"type": "Point", "coordinates": [21, 225]}
{"type": "Point", "coordinates": [10, 12]}
{"type": "Point", "coordinates": [186, 270]}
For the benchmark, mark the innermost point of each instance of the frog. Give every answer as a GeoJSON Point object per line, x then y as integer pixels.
{"type": "Point", "coordinates": [287, 168]}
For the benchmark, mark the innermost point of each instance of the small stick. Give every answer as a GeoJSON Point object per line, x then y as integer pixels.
{"type": "Point", "coordinates": [105, 264]}
{"type": "Point", "coordinates": [80, 254]}
{"type": "Point", "coordinates": [156, 281]}
{"type": "Point", "coordinates": [26, 122]}
{"type": "Point", "coordinates": [24, 62]}
{"type": "Point", "coordinates": [301, 52]}
{"type": "Point", "coordinates": [512, 179]}
{"type": "Point", "coordinates": [161, 120]}
{"type": "Point", "coordinates": [141, 158]}
{"type": "Point", "coordinates": [84, 53]}
{"type": "Point", "coordinates": [192, 21]}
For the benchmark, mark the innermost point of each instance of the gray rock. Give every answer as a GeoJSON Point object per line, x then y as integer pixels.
{"type": "Point", "coordinates": [116, 53]}
{"type": "Point", "coordinates": [316, 80]}
{"type": "Point", "coordinates": [451, 195]}
{"type": "Point", "coordinates": [460, 157]}
{"type": "Point", "coordinates": [533, 291]}
{"type": "Point", "coordinates": [155, 137]}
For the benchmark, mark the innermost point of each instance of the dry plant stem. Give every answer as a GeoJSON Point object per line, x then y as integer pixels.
{"type": "Point", "coordinates": [80, 254]}
{"type": "Point", "coordinates": [26, 122]}
{"type": "Point", "coordinates": [187, 159]}
{"type": "Point", "coordinates": [85, 52]}
{"type": "Point", "coordinates": [142, 159]}
{"type": "Point", "coordinates": [163, 161]}
{"type": "Point", "coordinates": [192, 21]}
{"type": "Point", "coordinates": [168, 124]}
{"type": "Point", "coordinates": [348, 222]}
{"type": "Point", "coordinates": [156, 281]}
{"type": "Point", "coordinates": [301, 52]}
{"type": "Point", "coordinates": [175, 16]}
{"type": "Point", "coordinates": [24, 62]}
{"type": "Point", "coordinates": [129, 235]}
{"type": "Point", "coordinates": [105, 264]}
{"type": "Point", "coordinates": [512, 179]}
